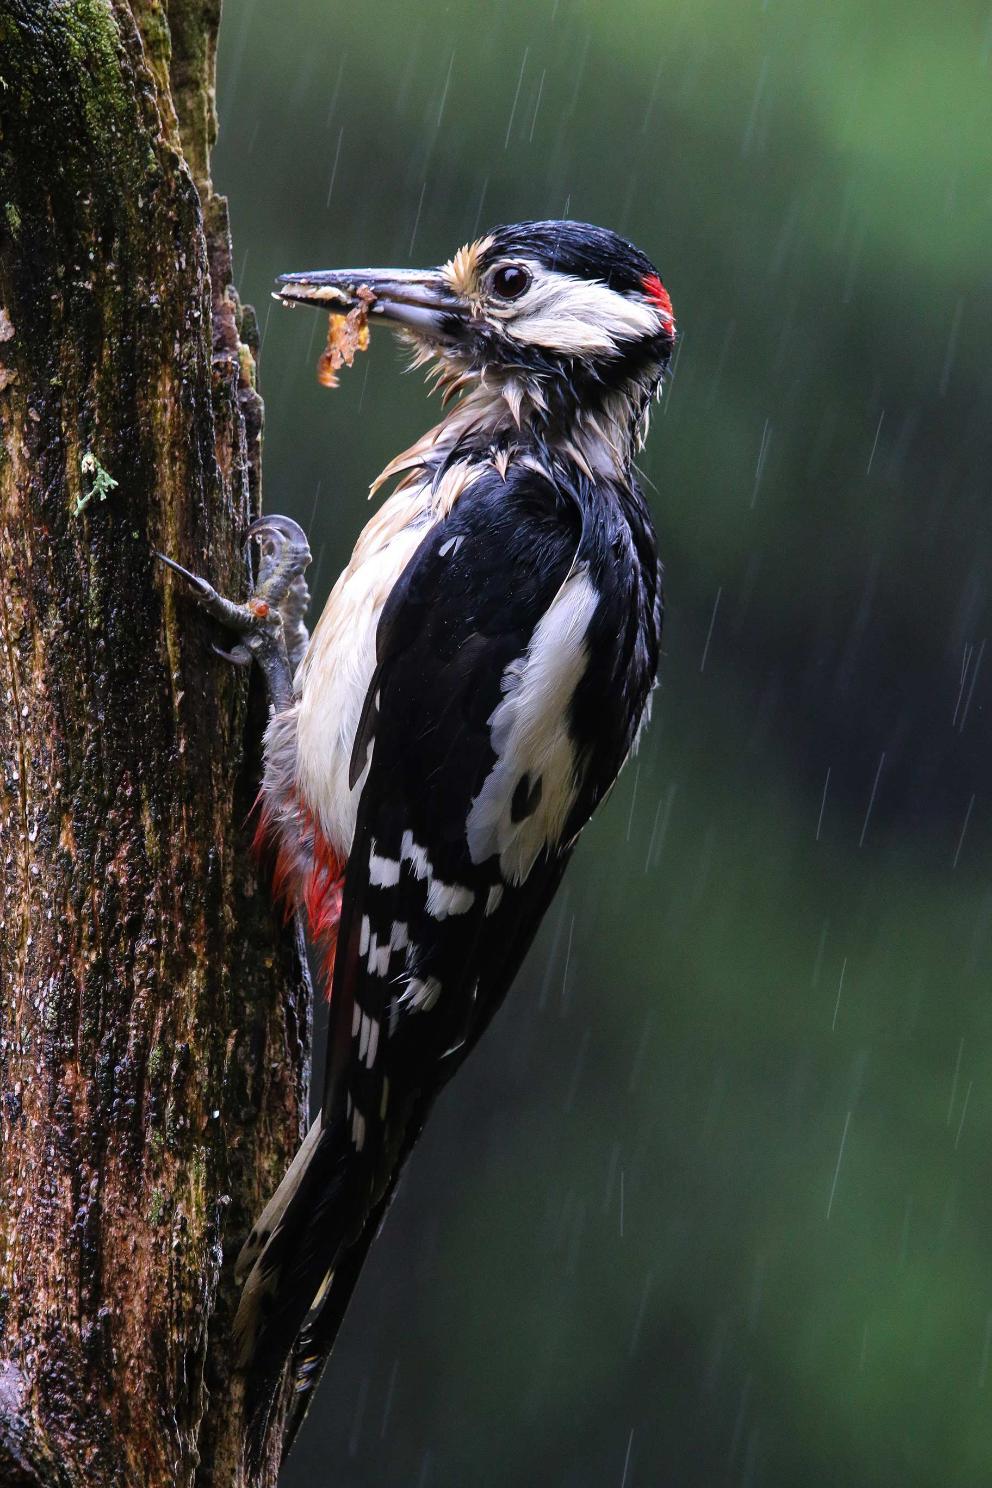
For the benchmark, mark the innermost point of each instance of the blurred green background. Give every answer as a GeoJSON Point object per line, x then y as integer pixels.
{"type": "Point", "coordinates": [712, 1203]}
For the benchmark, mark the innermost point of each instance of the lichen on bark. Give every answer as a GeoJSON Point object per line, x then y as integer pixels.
{"type": "Point", "coordinates": [154, 1017]}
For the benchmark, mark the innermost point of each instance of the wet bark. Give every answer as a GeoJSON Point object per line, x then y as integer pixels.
{"type": "Point", "coordinates": [154, 1020]}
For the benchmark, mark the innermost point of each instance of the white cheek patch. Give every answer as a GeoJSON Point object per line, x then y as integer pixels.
{"type": "Point", "coordinates": [580, 317]}
{"type": "Point", "coordinates": [529, 731]}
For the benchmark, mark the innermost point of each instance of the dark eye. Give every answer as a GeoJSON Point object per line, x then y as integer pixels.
{"type": "Point", "coordinates": [510, 281]}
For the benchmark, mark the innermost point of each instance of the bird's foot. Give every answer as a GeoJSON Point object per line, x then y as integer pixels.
{"type": "Point", "coordinates": [270, 625]}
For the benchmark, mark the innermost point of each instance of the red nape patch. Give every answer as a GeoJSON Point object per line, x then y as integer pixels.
{"type": "Point", "coordinates": [658, 295]}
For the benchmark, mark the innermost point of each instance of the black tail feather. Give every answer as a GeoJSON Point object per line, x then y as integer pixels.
{"type": "Point", "coordinates": [321, 1329]}
{"type": "Point", "coordinates": [320, 1212]}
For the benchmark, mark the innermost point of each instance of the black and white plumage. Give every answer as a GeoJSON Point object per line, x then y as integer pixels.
{"type": "Point", "coordinates": [480, 675]}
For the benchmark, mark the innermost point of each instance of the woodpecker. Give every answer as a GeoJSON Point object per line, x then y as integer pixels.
{"type": "Point", "coordinates": [481, 672]}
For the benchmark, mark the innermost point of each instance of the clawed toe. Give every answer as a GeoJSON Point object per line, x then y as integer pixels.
{"type": "Point", "coordinates": [284, 555]}
{"type": "Point", "coordinates": [238, 617]}
{"type": "Point", "coordinates": [270, 626]}
{"type": "Point", "coordinates": [201, 588]}
{"type": "Point", "coordinates": [237, 656]}
{"type": "Point", "coordinates": [280, 539]}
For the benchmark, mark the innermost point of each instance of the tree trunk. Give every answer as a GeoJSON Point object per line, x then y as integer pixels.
{"type": "Point", "coordinates": [154, 1014]}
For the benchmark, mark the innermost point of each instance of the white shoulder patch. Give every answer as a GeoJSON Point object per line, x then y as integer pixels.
{"type": "Point", "coordinates": [530, 737]}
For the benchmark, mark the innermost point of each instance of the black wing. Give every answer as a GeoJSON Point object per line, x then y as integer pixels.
{"type": "Point", "coordinates": [435, 923]}
{"type": "Point", "coordinates": [426, 917]}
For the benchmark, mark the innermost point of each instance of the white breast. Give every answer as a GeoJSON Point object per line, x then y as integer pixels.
{"type": "Point", "coordinates": [334, 676]}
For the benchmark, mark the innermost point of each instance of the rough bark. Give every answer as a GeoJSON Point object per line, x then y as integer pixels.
{"type": "Point", "coordinates": [154, 1019]}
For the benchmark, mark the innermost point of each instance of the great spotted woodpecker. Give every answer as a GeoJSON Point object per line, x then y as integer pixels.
{"type": "Point", "coordinates": [480, 674]}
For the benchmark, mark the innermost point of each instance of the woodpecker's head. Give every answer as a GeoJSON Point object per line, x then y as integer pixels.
{"type": "Point", "coordinates": [563, 323]}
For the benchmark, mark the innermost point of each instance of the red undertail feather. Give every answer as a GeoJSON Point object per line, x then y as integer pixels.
{"type": "Point", "coordinates": [322, 897]}
{"type": "Point", "coordinates": [307, 874]}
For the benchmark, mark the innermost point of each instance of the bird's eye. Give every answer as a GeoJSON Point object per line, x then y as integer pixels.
{"type": "Point", "coordinates": [510, 281]}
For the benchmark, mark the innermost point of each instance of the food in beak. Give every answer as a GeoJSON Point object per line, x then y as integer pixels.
{"type": "Point", "coordinates": [346, 336]}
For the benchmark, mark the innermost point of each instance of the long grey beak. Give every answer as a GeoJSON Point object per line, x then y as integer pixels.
{"type": "Point", "coordinates": [419, 299]}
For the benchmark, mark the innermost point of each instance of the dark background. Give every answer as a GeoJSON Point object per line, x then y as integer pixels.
{"type": "Point", "coordinates": [711, 1204]}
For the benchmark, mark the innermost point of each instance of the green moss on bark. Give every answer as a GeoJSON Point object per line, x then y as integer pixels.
{"type": "Point", "coordinates": [147, 986]}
